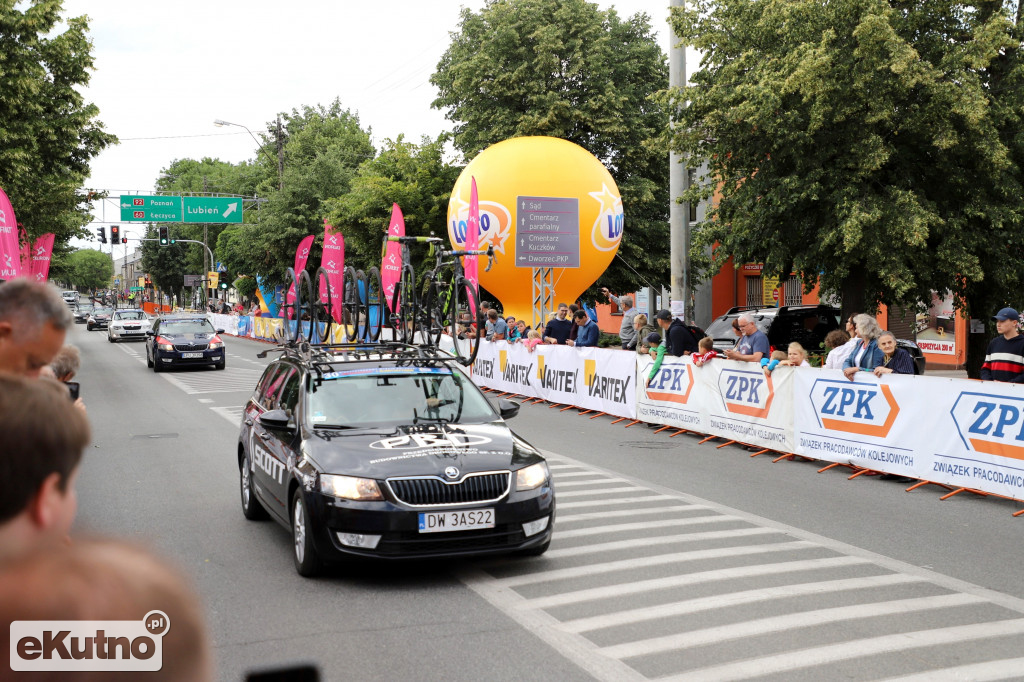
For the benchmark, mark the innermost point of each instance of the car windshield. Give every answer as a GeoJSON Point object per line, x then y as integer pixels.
{"type": "Point", "coordinates": [102, 311]}
{"type": "Point", "coordinates": [396, 395]}
{"type": "Point", "coordinates": [131, 315]}
{"type": "Point", "coordinates": [186, 327]}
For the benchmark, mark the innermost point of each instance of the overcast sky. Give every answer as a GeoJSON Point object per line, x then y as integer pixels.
{"type": "Point", "coordinates": [165, 71]}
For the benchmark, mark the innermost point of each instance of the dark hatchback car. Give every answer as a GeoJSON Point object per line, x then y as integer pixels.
{"type": "Point", "coordinates": [806, 324]}
{"type": "Point", "coordinates": [98, 318]}
{"type": "Point", "coordinates": [82, 312]}
{"type": "Point", "coordinates": [182, 342]}
{"type": "Point", "coordinates": [389, 454]}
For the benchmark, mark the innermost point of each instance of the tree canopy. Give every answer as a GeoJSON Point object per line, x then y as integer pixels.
{"type": "Point", "coordinates": [49, 133]}
{"type": "Point", "coordinates": [872, 146]}
{"type": "Point", "coordinates": [568, 69]}
{"type": "Point", "coordinates": [90, 269]}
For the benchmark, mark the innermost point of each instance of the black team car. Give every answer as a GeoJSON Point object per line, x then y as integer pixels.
{"type": "Point", "coordinates": [388, 451]}
{"type": "Point", "coordinates": [184, 341]}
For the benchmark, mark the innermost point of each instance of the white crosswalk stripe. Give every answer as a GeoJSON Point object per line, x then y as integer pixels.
{"type": "Point", "coordinates": [230, 380]}
{"type": "Point", "coordinates": [638, 576]}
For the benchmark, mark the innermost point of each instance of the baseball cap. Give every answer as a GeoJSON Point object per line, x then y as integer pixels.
{"type": "Point", "coordinates": [663, 315]}
{"type": "Point", "coordinates": [653, 337]}
{"type": "Point", "coordinates": [1006, 314]}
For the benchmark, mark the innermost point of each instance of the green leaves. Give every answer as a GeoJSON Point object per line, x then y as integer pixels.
{"type": "Point", "coordinates": [90, 269]}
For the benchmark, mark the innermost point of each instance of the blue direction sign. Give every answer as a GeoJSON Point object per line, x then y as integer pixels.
{"type": "Point", "coordinates": [151, 209]}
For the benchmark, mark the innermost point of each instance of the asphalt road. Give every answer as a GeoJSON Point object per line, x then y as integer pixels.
{"type": "Point", "coordinates": [671, 559]}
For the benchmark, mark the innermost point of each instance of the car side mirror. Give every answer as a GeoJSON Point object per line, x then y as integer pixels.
{"type": "Point", "coordinates": [220, 331]}
{"type": "Point", "coordinates": [276, 419]}
{"type": "Point", "coordinates": [508, 408]}
{"type": "Point", "coordinates": [150, 332]}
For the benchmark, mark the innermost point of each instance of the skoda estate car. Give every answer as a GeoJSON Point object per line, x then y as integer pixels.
{"type": "Point", "coordinates": [128, 324]}
{"type": "Point", "coordinates": [98, 318]}
{"type": "Point", "coordinates": [184, 341]}
{"type": "Point", "coordinates": [388, 454]}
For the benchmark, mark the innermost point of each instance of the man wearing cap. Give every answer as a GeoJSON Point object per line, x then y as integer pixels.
{"type": "Point", "coordinates": [678, 339]}
{"type": "Point", "coordinates": [1004, 359]}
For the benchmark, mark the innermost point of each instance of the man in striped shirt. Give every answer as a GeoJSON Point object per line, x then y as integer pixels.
{"type": "Point", "coordinates": [1004, 360]}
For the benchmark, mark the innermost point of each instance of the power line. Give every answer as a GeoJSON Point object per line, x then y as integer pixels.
{"type": "Point", "coordinates": [174, 137]}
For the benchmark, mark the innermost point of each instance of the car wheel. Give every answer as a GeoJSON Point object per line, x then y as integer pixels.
{"type": "Point", "coordinates": [536, 551]}
{"type": "Point", "coordinates": [307, 563]}
{"type": "Point", "coordinates": [149, 360]}
{"type": "Point", "coordinates": [251, 507]}
{"type": "Point", "coordinates": [220, 365]}
{"type": "Point", "coordinates": [88, 327]}
{"type": "Point", "coordinates": [156, 364]}
{"type": "Point", "coordinates": [110, 338]}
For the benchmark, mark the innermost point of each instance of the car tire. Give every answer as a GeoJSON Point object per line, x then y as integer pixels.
{"type": "Point", "coordinates": [110, 338]}
{"type": "Point", "coordinates": [156, 365]}
{"type": "Point", "coordinates": [149, 360]}
{"type": "Point", "coordinates": [536, 551]}
{"type": "Point", "coordinates": [307, 563]}
{"type": "Point", "coordinates": [220, 365]}
{"type": "Point", "coordinates": [88, 327]}
{"type": "Point", "coordinates": [251, 507]}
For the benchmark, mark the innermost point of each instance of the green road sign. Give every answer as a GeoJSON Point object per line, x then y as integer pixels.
{"type": "Point", "coordinates": [213, 209]}
{"type": "Point", "coordinates": [136, 288]}
{"type": "Point", "coordinates": [152, 209]}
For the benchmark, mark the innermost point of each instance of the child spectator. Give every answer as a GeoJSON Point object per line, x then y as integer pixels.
{"type": "Point", "coordinates": [706, 347]}
{"type": "Point", "coordinates": [532, 340]}
{"type": "Point", "coordinates": [777, 358]}
{"type": "Point", "coordinates": [797, 356]}
{"type": "Point", "coordinates": [657, 352]}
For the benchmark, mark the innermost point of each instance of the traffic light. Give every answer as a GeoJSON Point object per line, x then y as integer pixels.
{"type": "Point", "coordinates": [124, 240]}
{"type": "Point", "coordinates": [115, 234]}
{"type": "Point", "coordinates": [101, 232]}
{"type": "Point", "coordinates": [164, 241]}
{"type": "Point", "coordinates": [222, 285]}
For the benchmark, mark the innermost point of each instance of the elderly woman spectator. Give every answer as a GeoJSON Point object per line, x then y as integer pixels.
{"type": "Point", "coordinates": [866, 354]}
{"type": "Point", "coordinates": [836, 342]}
{"type": "Point", "coordinates": [643, 330]}
{"type": "Point", "coordinates": [896, 360]}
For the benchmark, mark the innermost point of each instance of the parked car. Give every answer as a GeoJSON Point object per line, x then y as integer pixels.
{"type": "Point", "coordinates": [128, 324]}
{"type": "Point", "coordinates": [807, 324]}
{"type": "Point", "coordinates": [99, 318]}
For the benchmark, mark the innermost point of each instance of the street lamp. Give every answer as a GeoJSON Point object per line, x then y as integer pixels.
{"type": "Point", "coordinates": [280, 151]}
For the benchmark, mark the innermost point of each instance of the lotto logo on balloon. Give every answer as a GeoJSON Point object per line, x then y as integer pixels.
{"type": "Point", "coordinates": [495, 225]}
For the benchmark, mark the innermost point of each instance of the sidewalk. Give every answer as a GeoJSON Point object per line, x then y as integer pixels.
{"type": "Point", "coordinates": [948, 373]}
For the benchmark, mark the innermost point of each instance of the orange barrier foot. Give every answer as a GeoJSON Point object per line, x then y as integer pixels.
{"type": "Point", "coordinates": [921, 483]}
{"type": "Point", "coordinates": [835, 464]}
{"type": "Point", "coordinates": [863, 472]}
{"type": "Point", "coordinates": [567, 407]}
{"type": "Point", "coordinates": [599, 414]}
{"type": "Point", "coordinates": [963, 490]}
{"type": "Point", "coordinates": [719, 447]}
{"type": "Point", "coordinates": [1018, 513]}
{"type": "Point", "coordinates": [585, 412]}
{"type": "Point", "coordinates": [707, 439]}
{"type": "Point", "coordinates": [662, 429]}
{"type": "Point", "coordinates": [538, 400]}
{"type": "Point", "coordinates": [678, 432]}
{"type": "Point", "coordinates": [632, 423]}
{"type": "Point", "coordinates": [620, 419]}
{"type": "Point", "coordinates": [782, 457]}
{"type": "Point", "coordinates": [760, 452]}
{"type": "Point", "coordinates": [554, 405]}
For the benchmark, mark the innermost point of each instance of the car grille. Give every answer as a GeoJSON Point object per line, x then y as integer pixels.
{"type": "Point", "coordinates": [415, 544]}
{"type": "Point", "coordinates": [190, 346]}
{"type": "Point", "coordinates": [428, 491]}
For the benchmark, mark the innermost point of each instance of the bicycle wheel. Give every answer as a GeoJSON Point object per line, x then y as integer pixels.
{"type": "Point", "coordinates": [431, 314]}
{"type": "Point", "coordinates": [465, 310]}
{"type": "Point", "coordinates": [375, 307]}
{"type": "Point", "coordinates": [403, 307]}
{"type": "Point", "coordinates": [289, 308]}
{"type": "Point", "coordinates": [350, 307]}
{"type": "Point", "coordinates": [304, 306]}
{"type": "Point", "coordinates": [323, 308]}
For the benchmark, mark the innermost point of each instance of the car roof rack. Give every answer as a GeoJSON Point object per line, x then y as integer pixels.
{"type": "Point", "coordinates": [319, 356]}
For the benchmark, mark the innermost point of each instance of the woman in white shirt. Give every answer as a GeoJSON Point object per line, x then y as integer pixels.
{"type": "Point", "coordinates": [841, 349]}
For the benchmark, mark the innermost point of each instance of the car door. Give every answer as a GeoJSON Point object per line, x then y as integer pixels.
{"type": "Point", "coordinates": [151, 342]}
{"type": "Point", "coordinates": [270, 447]}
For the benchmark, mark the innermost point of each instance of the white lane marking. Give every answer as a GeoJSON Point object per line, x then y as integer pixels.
{"type": "Point", "coordinates": [566, 474]}
{"type": "Point", "coordinates": [232, 414]}
{"type": "Point", "coordinates": [648, 561]}
{"type": "Point", "coordinates": [601, 491]}
{"type": "Point", "coordinates": [616, 500]}
{"type": "Point", "coordinates": [844, 651]}
{"type": "Point", "coordinates": [618, 513]}
{"type": "Point", "coordinates": [989, 671]}
{"type": "Point", "coordinates": [564, 466]}
{"type": "Point", "coordinates": [716, 575]}
{"type": "Point", "coordinates": [639, 543]}
{"type": "Point", "coordinates": [644, 525]}
{"type": "Point", "coordinates": [131, 352]}
{"type": "Point", "coordinates": [721, 601]}
{"type": "Point", "coordinates": [205, 400]}
{"type": "Point", "coordinates": [576, 484]}
{"type": "Point", "coordinates": [790, 621]}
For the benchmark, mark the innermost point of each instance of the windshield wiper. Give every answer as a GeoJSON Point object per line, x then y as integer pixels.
{"type": "Point", "coordinates": [334, 427]}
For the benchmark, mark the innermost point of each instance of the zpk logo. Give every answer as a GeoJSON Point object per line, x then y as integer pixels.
{"type": "Point", "coordinates": [992, 424]}
{"type": "Point", "coordinates": [747, 393]}
{"type": "Point", "coordinates": [864, 409]}
{"type": "Point", "coordinates": [672, 384]}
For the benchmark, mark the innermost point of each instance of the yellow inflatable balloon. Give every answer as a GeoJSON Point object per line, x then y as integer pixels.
{"type": "Point", "coordinates": [544, 202]}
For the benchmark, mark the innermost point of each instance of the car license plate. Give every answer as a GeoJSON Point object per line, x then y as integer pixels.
{"type": "Point", "coordinates": [191, 355]}
{"type": "Point", "coordinates": [443, 522]}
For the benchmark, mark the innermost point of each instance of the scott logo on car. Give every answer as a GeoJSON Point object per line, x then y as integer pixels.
{"type": "Point", "coordinates": [861, 408]}
{"type": "Point", "coordinates": [746, 392]}
{"type": "Point", "coordinates": [992, 424]}
{"type": "Point", "coordinates": [672, 383]}
{"type": "Point", "coordinates": [429, 440]}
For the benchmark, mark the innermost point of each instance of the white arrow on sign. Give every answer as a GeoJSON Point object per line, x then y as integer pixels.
{"type": "Point", "coordinates": [231, 209]}
{"type": "Point", "coordinates": [126, 205]}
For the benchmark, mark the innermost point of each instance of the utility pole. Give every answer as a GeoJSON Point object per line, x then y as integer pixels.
{"type": "Point", "coordinates": [205, 248]}
{"type": "Point", "coordinates": [280, 155]}
{"type": "Point", "coordinates": [678, 183]}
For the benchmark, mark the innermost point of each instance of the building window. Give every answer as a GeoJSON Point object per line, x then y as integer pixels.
{"type": "Point", "coordinates": [794, 291]}
{"type": "Point", "coordinates": [754, 293]}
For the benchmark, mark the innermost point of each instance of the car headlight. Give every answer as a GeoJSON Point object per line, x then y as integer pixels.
{"type": "Point", "coordinates": [532, 476]}
{"type": "Point", "coordinates": [350, 487]}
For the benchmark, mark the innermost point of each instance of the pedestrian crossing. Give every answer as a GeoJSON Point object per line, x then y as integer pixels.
{"type": "Point", "coordinates": [643, 583]}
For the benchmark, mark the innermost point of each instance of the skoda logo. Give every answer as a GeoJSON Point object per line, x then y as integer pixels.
{"type": "Point", "coordinates": [451, 472]}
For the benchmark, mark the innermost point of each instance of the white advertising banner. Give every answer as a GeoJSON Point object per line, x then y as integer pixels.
{"type": "Point", "coordinates": [747, 405]}
{"type": "Point", "coordinates": [590, 378]}
{"type": "Point", "coordinates": [674, 396]}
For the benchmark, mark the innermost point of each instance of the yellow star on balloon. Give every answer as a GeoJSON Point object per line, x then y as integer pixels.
{"type": "Point", "coordinates": [609, 202]}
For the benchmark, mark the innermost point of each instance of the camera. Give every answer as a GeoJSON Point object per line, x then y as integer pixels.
{"type": "Point", "coordinates": [73, 388]}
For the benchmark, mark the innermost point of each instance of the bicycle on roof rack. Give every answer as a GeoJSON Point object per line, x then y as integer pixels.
{"type": "Point", "coordinates": [449, 305]}
{"type": "Point", "coordinates": [358, 304]}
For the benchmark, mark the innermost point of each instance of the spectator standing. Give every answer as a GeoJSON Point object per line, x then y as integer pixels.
{"type": "Point", "coordinates": [588, 334]}
{"type": "Point", "coordinates": [643, 330]}
{"type": "Point", "coordinates": [753, 345]}
{"type": "Point", "coordinates": [626, 332]}
{"type": "Point", "coordinates": [1004, 359]}
{"type": "Point", "coordinates": [65, 363]}
{"type": "Point", "coordinates": [836, 341]}
{"type": "Point", "coordinates": [896, 360]}
{"type": "Point", "coordinates": [679, 340]}
{"type": "Point", "coordinates": [497, 330]}
{"type": "Point", "coordinates": [33, 323]}
{"type": "Point", "coordinates": [866, 354]}
{"type": "Point", "coordinates": [558, 328]}
{"type": "Point", "coordinates": [575, 329]}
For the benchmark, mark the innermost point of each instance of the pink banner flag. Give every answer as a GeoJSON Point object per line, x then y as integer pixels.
{"type": "Point", "coordinates": [10, 249]}
{"type": "Point", "coordinates": [334, 263]}
{"type": "Point", "coordinates": [41, 252]}
{"type": "Point", "coordinates": [301, 256]}
{"type": "Point", "coordinates": [391, 268]}
{"type": "Point", "coordinates": [472, 236]}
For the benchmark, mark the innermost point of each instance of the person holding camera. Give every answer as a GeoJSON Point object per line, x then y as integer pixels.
{"type": "Point", "coordinates": [626, 332]}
